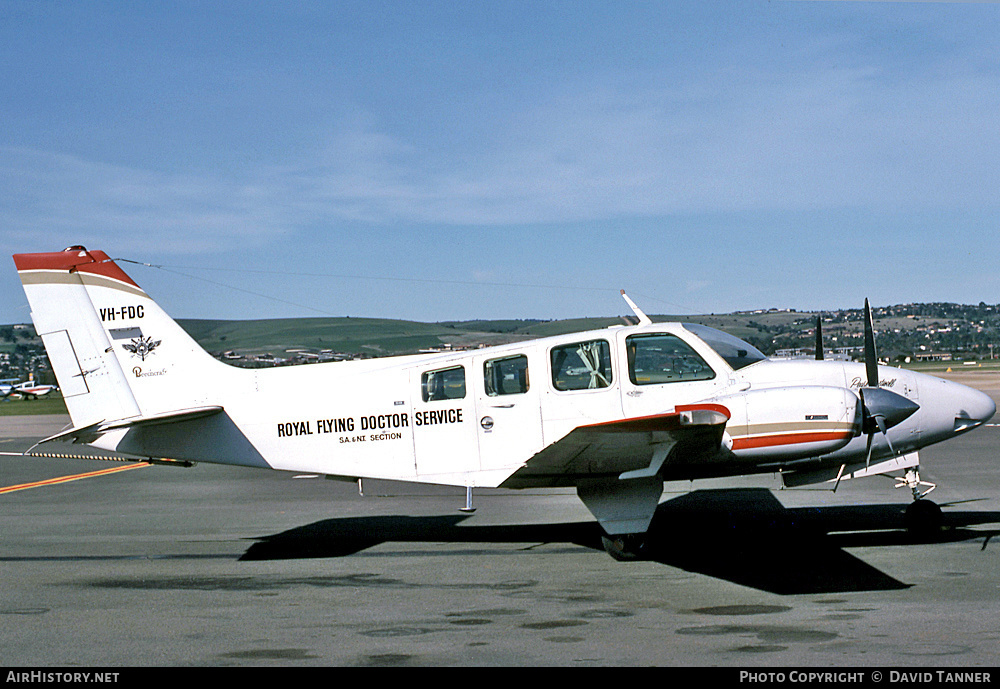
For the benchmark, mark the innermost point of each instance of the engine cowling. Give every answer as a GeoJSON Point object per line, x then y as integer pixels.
{"type": "Point", "coordinates": [788, 423]}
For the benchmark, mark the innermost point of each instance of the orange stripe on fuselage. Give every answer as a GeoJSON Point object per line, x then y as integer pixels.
{"type": "Point", "coordinates": [747, 443]}
{"type": "Point", "coordinates": [75, 477]}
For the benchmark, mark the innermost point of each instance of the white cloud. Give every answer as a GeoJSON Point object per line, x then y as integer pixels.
{"type": "Point", "coordinates": [822, 137]}
{"type": "Point", "coordinates": [60, 196]}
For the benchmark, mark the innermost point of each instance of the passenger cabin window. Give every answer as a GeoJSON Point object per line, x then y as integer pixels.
{"type": "Point", "coordinates": [582, 366]}
{"type": "Point", "coordinates": [446, 384]}
{"type": "Point", "coordinates": [664, 358]}
{"type": "Point", "coordinates": [507, 376]}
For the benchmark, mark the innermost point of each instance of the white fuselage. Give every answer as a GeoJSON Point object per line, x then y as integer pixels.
{"type": "Point", "coordinates": [136, 383]}
{"type": "Point", "coordinates": [374, 418]}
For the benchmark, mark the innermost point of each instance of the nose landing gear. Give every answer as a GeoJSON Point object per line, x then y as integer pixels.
{"type": "Point", "coordinates": [923, 517]}
{"type": "Point", "coordinates": [911, 480]}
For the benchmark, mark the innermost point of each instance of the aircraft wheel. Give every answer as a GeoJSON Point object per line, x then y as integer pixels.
{"type": "Point", "coordinates": [626, 547]}
{"type": "Point", "coordinates": [923, 517]}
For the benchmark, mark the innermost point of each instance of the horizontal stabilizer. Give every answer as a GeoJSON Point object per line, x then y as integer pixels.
{"type": "Point", "coordinates": [88, 434]}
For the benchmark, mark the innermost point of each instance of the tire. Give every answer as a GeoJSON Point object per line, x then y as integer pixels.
{"type": "Point", "coordinates": [626, 547]}
{"type": "Point", "coordinates": [924, 517]}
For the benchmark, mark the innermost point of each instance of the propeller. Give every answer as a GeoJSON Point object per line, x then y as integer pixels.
{"type": "Point", "coordinates": [871, 357]}
{"type": "Point", "coordinates": [819, 337]}
{"type": "Point", "coordinates": [881, 409]}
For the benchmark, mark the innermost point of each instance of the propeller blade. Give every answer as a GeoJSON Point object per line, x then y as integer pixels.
{"type": "Point", "coordinates": [889, 443]}
{"type": "Point", "coordinates": [880, 422]}
{"type": "Point", "coordinates": [871, 357]}
{"type": "Point", "coordinates": [819, 338]}
{"type": "Point", "coordinates": [881, 409]}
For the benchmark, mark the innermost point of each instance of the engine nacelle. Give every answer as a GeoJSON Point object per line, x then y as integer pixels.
{"type": "Point", "coordinates": [788, 423]}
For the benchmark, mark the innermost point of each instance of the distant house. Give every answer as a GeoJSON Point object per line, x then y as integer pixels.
{"type": "Point", "coordinates": [932, 356]}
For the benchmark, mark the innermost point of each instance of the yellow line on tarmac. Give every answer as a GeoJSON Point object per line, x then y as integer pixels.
{"type": "Point", "coordinates": [75, 477]}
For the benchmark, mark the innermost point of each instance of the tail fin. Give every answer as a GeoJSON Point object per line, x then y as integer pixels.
{"type": "Point", "coordinates": [116, 354]}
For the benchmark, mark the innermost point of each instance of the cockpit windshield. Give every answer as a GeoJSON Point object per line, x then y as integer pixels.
{"type": "Point", "coordinates": [735, 351]}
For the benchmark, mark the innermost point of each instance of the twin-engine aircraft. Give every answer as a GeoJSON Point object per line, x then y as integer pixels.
{"type": "Point", "coordinates": [613, 413]}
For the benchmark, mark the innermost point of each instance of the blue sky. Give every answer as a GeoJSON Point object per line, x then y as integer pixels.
{"type": "Point", "coordinates": [457, 160]}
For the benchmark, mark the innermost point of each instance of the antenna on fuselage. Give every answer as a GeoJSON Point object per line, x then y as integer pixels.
{"type": "Point", "coordinates": [643, 318]}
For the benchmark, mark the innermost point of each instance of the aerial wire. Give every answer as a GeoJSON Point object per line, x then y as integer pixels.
{"type": "Point", "coordinates": [177, 270]}
{"type": "Point", "coordinates": [228, 286]}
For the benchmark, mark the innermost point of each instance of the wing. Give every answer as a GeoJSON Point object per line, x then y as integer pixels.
{"type": "Point", "coordinates": [663, 445]}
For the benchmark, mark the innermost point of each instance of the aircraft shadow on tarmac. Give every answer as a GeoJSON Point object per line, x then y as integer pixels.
{"type": "Point", "coordinates": [745, 536]}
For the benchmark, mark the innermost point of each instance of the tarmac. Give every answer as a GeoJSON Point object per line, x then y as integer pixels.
{"type": "Point", "coordinates": [214, 566]}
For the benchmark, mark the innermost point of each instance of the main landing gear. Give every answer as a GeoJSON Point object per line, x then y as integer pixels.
{"type": "Point", "coordinates": [922, 516]}
{"type": "Point", "coordinates": [626, 547]}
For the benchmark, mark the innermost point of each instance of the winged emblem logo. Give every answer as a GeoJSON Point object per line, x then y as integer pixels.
{"type": "Point", "coordinates": [142, 346]}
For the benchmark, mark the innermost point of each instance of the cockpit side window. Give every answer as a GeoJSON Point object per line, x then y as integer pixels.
{"type": "Point", "coordinates": [735, 351]}
{"type": "Point", "coordinates": [506, 376]}
{"type": "Point", "coordinates": [581, 365]}
{"type": "Point", "coordinates": [443, 384]}
{"type": "Point", "coordinates": [664, 358]}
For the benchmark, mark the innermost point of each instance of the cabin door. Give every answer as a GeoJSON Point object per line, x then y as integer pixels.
{"type": "Point", "coordinates": [508, 414]}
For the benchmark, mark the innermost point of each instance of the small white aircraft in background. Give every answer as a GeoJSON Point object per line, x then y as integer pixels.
{"type": "Point", "coordinates": [31, 390]}
{"type": "Point", "coordinates": [613, 413]}
{"type": "Point", "coordinates": [27, 390]}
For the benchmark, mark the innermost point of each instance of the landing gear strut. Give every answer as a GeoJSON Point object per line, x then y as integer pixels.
{"type": "Point", "coordinates": [922, 516]}
{"type": "Point", "coordinates": [911, 480]}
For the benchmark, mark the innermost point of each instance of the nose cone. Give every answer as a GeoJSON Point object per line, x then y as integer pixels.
{"type": "Point", "coordinates": [975, 409]}
{"type": "Point", "coordinates": [948, 408]}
